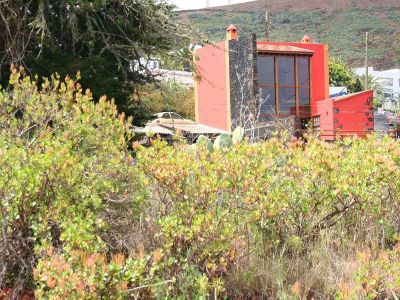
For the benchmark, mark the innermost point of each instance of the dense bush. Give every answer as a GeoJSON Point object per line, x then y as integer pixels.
{"type": "Point", "coordinates": [167, 95]}
{"type": "Point", "coordinates": [259, 219]}
{"type": "Point", "coordinates": [63, 159]}
{"type": "Point", "coordinates": [284, 219]}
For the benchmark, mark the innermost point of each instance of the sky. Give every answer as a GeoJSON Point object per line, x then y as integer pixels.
{"type": "Point", "coordinates": [194, 4]}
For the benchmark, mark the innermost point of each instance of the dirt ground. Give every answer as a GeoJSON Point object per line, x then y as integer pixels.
{"type": "Point", "coordinates": [7, 294]}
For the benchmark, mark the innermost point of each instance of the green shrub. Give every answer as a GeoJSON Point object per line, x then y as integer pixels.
{"type": "Point", "coordinates": [377, 275]}
{"type": "Point", "coordinates": [238, 209]}
{"type": "Point", "coordinates": [81, 275]}
{"type": "Point", "coordinates": [64, 158]}
{"type": "Point", "coordinates": [281, 219]}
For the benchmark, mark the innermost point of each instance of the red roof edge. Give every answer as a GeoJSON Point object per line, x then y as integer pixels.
{"type": "Point", "coordinates": [351, 96]}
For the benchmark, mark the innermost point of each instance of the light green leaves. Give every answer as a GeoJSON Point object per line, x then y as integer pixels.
{"type": "Point", "coordinates": [205, 141]}
{"type": "Point", "coordinates": [238, 135]}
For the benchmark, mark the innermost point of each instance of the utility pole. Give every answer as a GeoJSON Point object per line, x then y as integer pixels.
{"type": "Point", "coordinates": [207, 3]}
{"type": "Point", "coordinates": [366, 61]}
{"type": "Point", "coordinates": [267, 22]}
{"type": "Point", "coordinates": [266, 26]}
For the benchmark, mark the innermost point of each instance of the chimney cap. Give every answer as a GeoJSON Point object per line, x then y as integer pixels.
{"type": "Point", "coordinates": [231, 27]}
{"type": "Point", "coordinates": [306, 39]}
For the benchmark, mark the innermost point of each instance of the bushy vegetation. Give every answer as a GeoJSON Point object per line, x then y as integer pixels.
{"type": "Point", "coordinates": [342, 29]}
{"type": "Point", "coordinates": [167, 95]}
{"type": "Point", "coordinates": [86, 215]}
{"type": "Point", "coordinates": [341, 75]}
{"type": "Point", "coordinates": [108, 41]}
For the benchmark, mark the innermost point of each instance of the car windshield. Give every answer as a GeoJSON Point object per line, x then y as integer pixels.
{"type": "Point", "coordinates": [171, 116]}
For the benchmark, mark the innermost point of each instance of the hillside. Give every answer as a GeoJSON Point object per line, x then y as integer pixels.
{"type": "Point", "coordinates": [341, 24]}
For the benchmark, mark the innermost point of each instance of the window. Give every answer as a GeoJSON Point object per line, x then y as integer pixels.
{"type": "Point", "coordinates": [385, 81]}
{"type": "Point", "coordinates": [267, 102]}
{"type": "Point", "coordinates": [266, 75]}
{"type": "Point", "coordinates": [171, 115]}
{"type": "Point", "coordinates": [316, 123]}
{"type": "Point", "coordinates": [303, 83]}
{"type": "Point", "coordinates": [284, 83]}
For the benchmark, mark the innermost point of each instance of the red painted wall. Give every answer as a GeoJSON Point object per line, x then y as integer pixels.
{"type": "Point", "coordinates": [346, 116]}
{"type": "Point", "coordinates": [211, 87]}
{"type": "Point", "coordinates": [354, 114]}
{"type": "Point", "coordinates": [324, 109]}
{"type": "Point", "coordinates": [319, 70]}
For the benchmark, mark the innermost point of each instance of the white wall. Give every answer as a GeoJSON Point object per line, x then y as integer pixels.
{"type": "Point", "coordinates": [392, 75]}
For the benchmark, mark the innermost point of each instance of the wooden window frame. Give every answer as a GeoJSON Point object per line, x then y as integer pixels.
{"type": "Point", "coordinates": [296, 85]}
{"type": "Point", "coordinates": [316, 123]}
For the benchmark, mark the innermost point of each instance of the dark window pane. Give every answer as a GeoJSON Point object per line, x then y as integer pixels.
{"type": "Point", "coordinates": [304, 101]}
{"type": "Point", "coordinates": [286, 70]}
{"type": "Point", "coordinates": [303, 71]}
{"type": "Point", "coordinates": [287, 101]}
{"type": "Point", "coordinates": [316, 122]}
{"type": "Point", "coordinates": [266, 69]}
{"type": "Point", "coordinates": [304, 96]}
{"type": "Point", "coordinates": [267, 100]}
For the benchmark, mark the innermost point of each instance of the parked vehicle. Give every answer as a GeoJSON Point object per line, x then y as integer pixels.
{"type": "Point", "coordinates": [168, 115]}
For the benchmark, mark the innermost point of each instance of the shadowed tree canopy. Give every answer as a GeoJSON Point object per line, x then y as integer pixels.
{"type": "Point", "coordinates": [101, 38]}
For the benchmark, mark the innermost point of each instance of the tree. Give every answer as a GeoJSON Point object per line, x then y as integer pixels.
{"type": "Point", "coordinates": [167, 95]}
{"type": "Point", "coordinates": [341, 75]}
{"type": "Point", "coordinates": [101, 38]}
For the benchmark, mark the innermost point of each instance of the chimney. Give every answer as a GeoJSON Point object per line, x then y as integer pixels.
{"type": "Point", "coordinates": [306, 39]}
{"type": "Point", "coordinates": [231, 33]}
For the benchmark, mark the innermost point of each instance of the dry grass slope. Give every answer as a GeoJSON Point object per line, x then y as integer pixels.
{"type": "Point", "coordinates": [339, 23]}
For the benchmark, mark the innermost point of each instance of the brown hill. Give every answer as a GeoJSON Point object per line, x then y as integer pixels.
{"type": "Point", "coordinates": [278, 5]}
{"type": "Point", "coordinates": [339, 23]}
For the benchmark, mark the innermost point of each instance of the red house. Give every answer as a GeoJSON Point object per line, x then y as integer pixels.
{"type": "Point", "coordinates": [242, 78]}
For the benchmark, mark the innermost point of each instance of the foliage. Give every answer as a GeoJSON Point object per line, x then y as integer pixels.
{"type": "Point", "coordinates": [163, 96]}
{"type": "Point", "coordinates": [342, 29]}
{"type": "Point", "coordinates": [375, 85]}
{"type": "Point", "coordinates": [181, 60]}
{"type": "Point", "coordinates": [89, 275]}
{"type": "Point", "coordinates": [63, 158]}
{"type": "Point", "coordinates": [376, 276]}
{"type": "Point", "coordinates": [100, 38]}
{"type": "Point", "coordinates": [222, 141]}
{"type": "Point", "coordinates": [341, 75]}
{"type": "Point", "coordinates": [251, 208]}
{"type": "Point", "coordinates": [280, 219]}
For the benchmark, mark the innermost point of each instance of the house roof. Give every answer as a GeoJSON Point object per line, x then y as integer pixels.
{"type": "Point", "coordinates": [350, 96]}
{"type": "Point", "coordinates": [283, 49]}
{"type": "Point", "coordinates": [169, 127]}
{"type": "Point", "coordinates": [154, 128]}
{"type": "Point", "coordinates": [194, 128]}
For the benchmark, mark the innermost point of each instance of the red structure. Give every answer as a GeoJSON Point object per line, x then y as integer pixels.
{"type": "Point", "coordinates": [242, 77]}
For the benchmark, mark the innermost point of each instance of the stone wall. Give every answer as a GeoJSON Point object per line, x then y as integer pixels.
{"type": "Point", "coordinates": [243, 80]}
